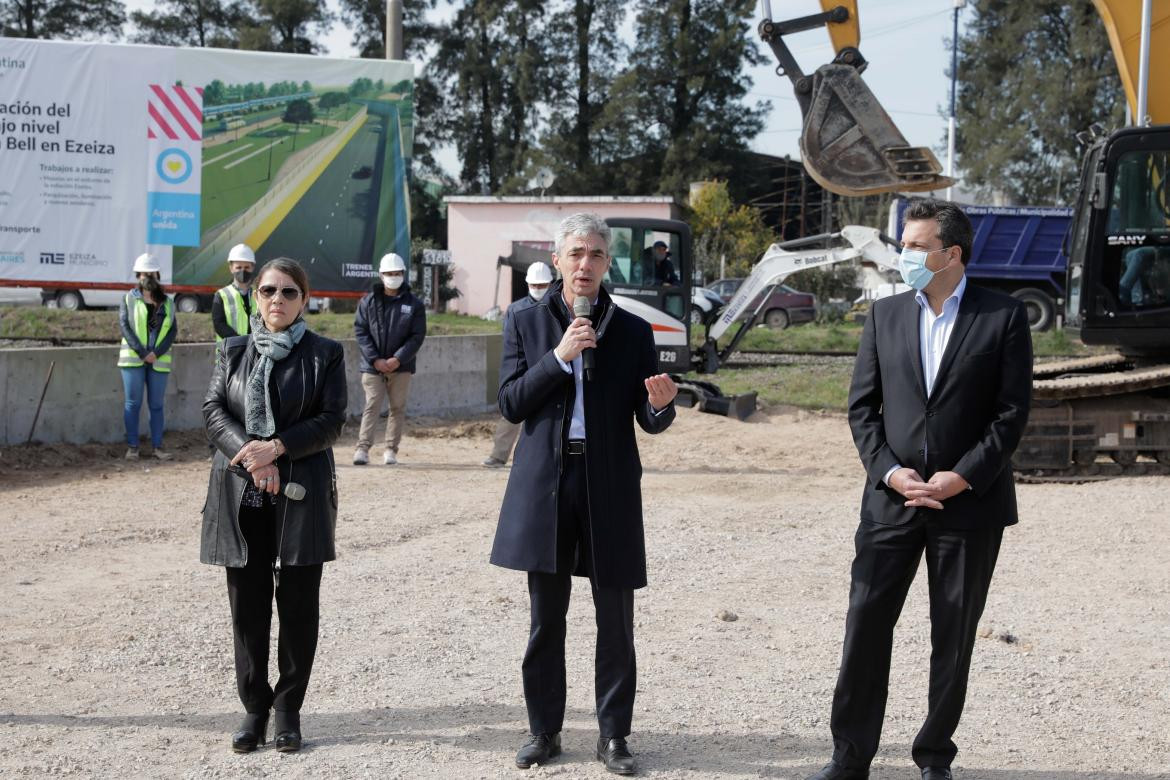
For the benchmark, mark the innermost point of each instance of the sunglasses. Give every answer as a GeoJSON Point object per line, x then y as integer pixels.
{"type": "Point", "coordinates": [288, 293]}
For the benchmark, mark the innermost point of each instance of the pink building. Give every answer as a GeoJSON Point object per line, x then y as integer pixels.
{"type": "Point", "coordinates": [481, 229]}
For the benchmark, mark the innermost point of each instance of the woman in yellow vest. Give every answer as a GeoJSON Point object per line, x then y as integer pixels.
{"type": "Point", "coordinates": [147, 317]}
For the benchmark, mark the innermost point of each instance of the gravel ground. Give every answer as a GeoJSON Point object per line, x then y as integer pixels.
{"type": "Point", "coordinates": [116, 652]}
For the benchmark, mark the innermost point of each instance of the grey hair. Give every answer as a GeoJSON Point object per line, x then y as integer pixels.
{"type": "Point", "coordinates": [581, 224]}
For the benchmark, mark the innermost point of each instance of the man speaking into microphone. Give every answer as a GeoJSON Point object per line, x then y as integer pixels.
{"type": "Point", "coordinates": [577, 371]}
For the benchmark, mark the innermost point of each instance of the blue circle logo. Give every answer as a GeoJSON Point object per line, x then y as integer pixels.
{"type": "Point", "coordinates": [173, 166]}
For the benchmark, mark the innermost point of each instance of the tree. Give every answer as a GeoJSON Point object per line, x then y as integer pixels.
{"type": "Point", "coordinates": [189, 23]}
{"type": "Point", "coordinates": [1032, 75]}
{"type": "Point", "coordinates": [584, 58]}
{"type": "Point", "coordinates": [491, 73]}
{"type": "Point", "coordinates": [727, 238]}
{"type": "Point", "coordinates": [677, 113]}
{"type": "Point", "coordinates": [297, 112]}
{"type": "Point", "coordinates": [286, 25]}
{"type": "Point", "coordinates": [332, 100]}
{"type": "Point", "coordinates": [63, 19]}
{"type": "Point", "coordinates": [367, 19]}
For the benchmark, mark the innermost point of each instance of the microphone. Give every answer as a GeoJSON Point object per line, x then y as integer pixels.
{"type": "Point", "coordinates": [291, 490]}
{"type": "Point", "coordinates": [583, 308]}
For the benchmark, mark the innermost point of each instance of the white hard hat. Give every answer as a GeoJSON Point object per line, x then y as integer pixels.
{"type": "Point", "coordinates": [391, 262]}
{"type": "Point", "coordinates": [146, 263]}
{"type": "Point", "coordinates": [241, 253]}
{"type": "Point", "coordinates": [538, 273]}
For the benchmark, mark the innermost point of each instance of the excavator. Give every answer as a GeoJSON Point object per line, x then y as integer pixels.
{"type": "Point", "coordinates": [1102, 416]}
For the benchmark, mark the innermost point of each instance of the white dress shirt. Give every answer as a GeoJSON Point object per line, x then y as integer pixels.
{"type": "Point", "coordinates": [934, 331]}
{"type": "Point", "coordinates": [577, 424]}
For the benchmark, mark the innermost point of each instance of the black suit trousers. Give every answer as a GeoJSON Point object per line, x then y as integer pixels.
{"type": "Point", "coordinates": [959, 565]}
{"type": "Point", "coordinates": [543, 669]}
{"type": "Point", "coordinates": [250, 591]}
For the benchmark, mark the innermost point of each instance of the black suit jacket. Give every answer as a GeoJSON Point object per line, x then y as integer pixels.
{"type": "Point", "coordinates": [536, 391]}
{"type": "Point", "coordinates": [970, 423]}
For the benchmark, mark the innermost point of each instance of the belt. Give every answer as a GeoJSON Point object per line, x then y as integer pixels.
{"type": "Point", "coordinates": [575, 447]}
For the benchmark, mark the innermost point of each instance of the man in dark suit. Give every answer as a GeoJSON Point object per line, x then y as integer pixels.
{"type": "Point", "coordinates": [938, 403]}
{"type": "Point", "coordinates": [573, 504]}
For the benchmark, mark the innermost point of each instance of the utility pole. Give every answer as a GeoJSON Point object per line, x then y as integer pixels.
{"type": "Point", "coordinates": [394, 30]}
{"type": "Point", "coordinates": [954, 78]}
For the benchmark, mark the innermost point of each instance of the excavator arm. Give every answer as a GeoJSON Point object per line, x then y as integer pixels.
{"type": "Point", "coordinates": [849, 144]}
{"type": "Point", "coordinates": [853, 242]}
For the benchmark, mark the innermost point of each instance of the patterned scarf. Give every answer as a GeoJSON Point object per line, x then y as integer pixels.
{"type": "Point", "coordinates": [258, 420]}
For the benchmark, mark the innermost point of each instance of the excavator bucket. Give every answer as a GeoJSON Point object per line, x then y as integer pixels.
{"type": "Point", "coordinates": [851, 146]}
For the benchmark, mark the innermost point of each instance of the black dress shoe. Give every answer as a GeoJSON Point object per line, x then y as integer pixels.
{"type": "Point", "coordinates": [539, 749]}
{"type": "Point", "coordinates": [616, 756]}
{"type": "Point", "coordinates": [834, 771]}
{"type": "Point", "coordinates": [288, 731]}
{"type": "Point", "coordinates": [937, 773]}
{"type": "Point", "coordinates": [251, 733]}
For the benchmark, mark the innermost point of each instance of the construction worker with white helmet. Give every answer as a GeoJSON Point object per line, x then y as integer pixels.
{"type": "Point", "coordinates": [146, 316]}
{"type": "Point", "coordinates": [231, 307]}
{"type": "Point", "coordinates": [390, 326]}
{"type": "Point", "coordinates": [538, 277]}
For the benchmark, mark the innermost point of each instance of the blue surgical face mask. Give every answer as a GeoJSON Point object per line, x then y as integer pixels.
{"type": "Point", "coordinates": [912, 264]}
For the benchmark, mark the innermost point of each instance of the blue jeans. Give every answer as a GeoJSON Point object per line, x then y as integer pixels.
{"type": "Point", "coordinates": [135, 381]}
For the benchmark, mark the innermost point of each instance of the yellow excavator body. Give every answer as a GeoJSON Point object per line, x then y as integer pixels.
{"type": "Point", "coordinates": [1123, 25]}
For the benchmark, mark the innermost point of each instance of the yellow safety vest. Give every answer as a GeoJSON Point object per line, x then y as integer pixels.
{"type": "Point", "coordinates": [136, 306]}
{"type": "Point", "coordinates": [233, 311]}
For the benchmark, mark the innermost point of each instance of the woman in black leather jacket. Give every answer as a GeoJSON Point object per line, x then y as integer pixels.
{"type": "Point", "coordinates": [275, 407]}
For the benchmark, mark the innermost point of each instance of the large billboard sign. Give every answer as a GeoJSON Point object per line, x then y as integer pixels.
{"type": "Point", "coordinates": [107, 151]}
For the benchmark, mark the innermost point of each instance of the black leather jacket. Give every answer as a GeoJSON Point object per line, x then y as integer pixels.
{"type": "Point", "coordinates": [309, 396]}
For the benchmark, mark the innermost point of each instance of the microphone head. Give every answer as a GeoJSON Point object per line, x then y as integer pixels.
{"type": "Point", "coordinates": [582, 307]}
{"type": "Point", "coordinates": [294, 490]}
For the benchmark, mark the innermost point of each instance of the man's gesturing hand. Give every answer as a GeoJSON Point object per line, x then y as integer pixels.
{"type": "Point", "coordinates": [661, 390]}
{"type": "Point", "coordinates": [578, 337]}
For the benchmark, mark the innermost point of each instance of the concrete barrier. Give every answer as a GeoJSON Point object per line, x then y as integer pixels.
{"type": "Point", "coordinates": [456, 375]}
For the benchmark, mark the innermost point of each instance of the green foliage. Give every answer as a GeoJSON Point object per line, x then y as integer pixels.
{"type": "Point", "coordinates": [299, 111]}
{"type": "Point", "coordinates": [676, 113]}
{"type": "Point", "coordinates": [190, 23]}
{"type": "Point", "coordinates": [62, 19]}
{"type": "Point", "coordinates": [491, 75]}
{"type": "Point", "coordinates": [1031, 76]}
{"type": "Point", "coordinates": [834, 281]}
{"type": "Point", "coordinates": [723, 231]}
{"type": "Point", "coordinates": [367, 20]}
{"type": "Point", "coordinates": [584, 56]}
{"type": "Point", "coordinates": [288, 26]}
{"type": "Point", "coordinates": [332, 100]}
{"type": "Point", "coordinates": [820, 385]}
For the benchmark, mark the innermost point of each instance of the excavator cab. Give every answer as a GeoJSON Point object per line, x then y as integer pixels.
{"type": "Point", "coordinates": [849, 144]}
{"type": "Point", "coordinates": [1118, 290]}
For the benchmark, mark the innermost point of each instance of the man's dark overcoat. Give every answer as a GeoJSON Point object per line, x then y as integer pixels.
{"type": "Point", "coordinates": [536, 391]}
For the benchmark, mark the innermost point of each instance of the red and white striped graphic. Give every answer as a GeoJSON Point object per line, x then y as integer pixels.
{"type": "Point", "coordinates": [175, 113]}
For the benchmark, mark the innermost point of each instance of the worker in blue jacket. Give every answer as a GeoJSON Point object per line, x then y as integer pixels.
{"type": "Point", "coordinates": [390, 326]}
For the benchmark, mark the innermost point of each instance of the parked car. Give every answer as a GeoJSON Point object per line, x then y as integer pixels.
{"type": "Point", "coordinates": [705, 305]}
{"type": "Point", "coordinates": [784, 307]}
